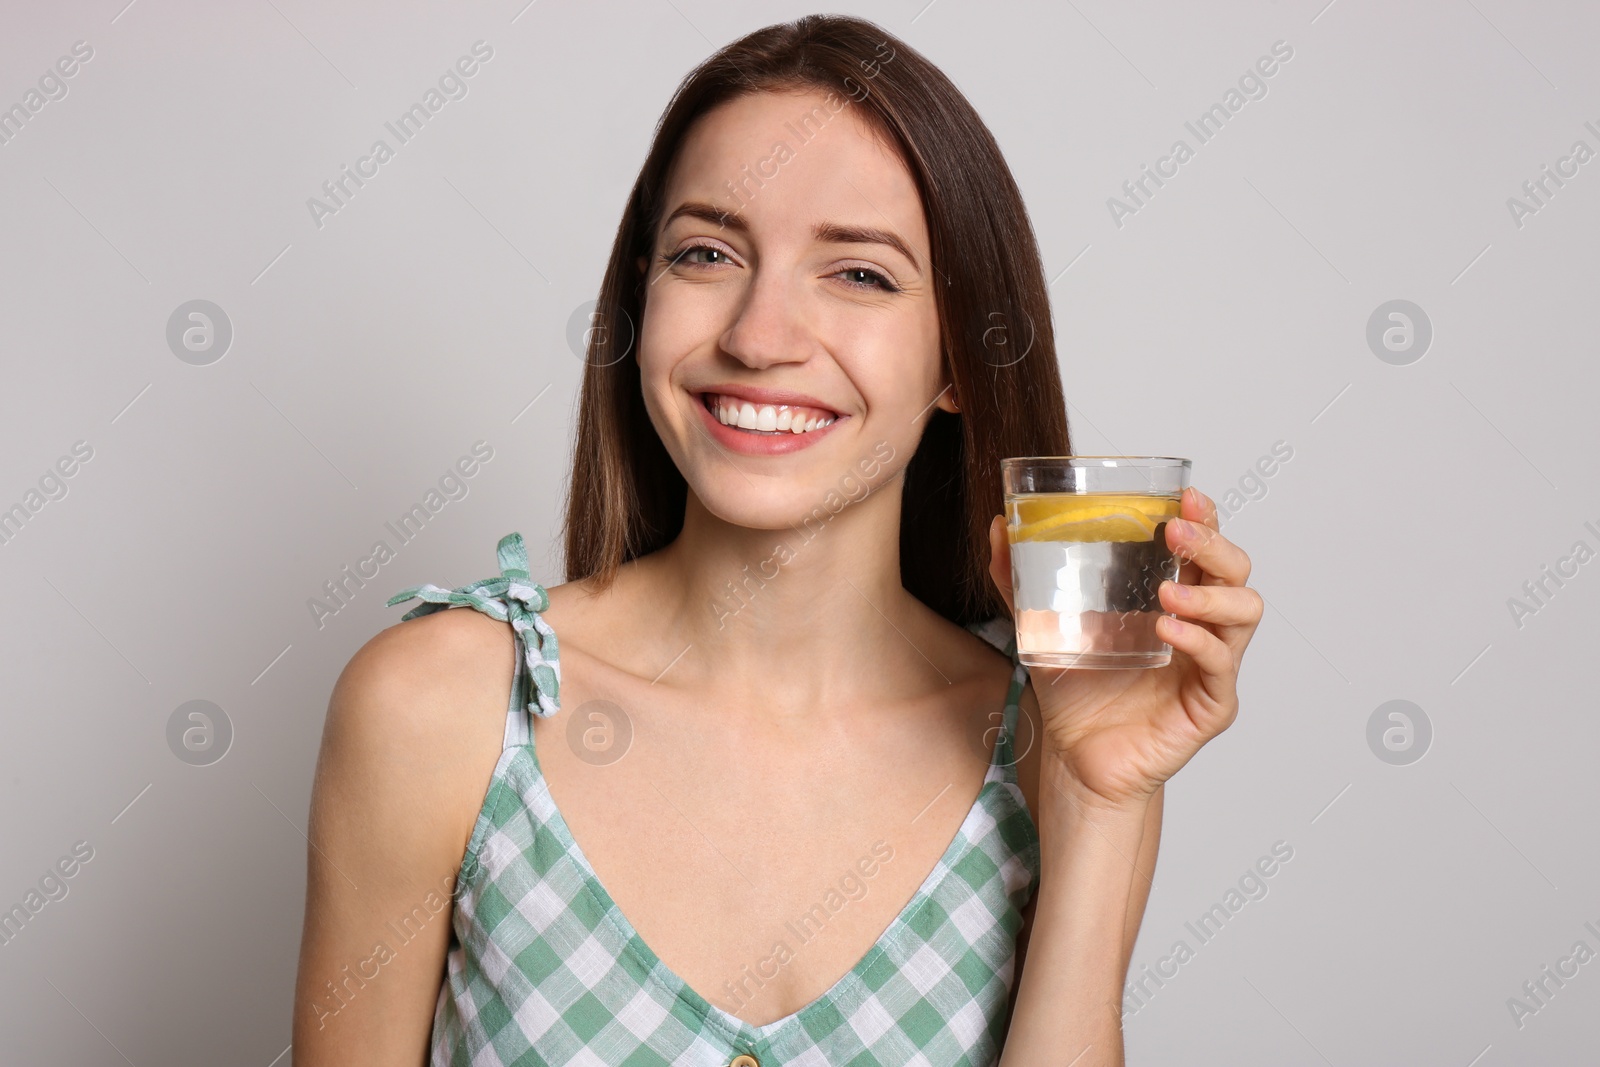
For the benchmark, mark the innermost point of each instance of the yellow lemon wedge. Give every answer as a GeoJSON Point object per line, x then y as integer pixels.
{"type": "Point", "coordinates": [1090, 517]}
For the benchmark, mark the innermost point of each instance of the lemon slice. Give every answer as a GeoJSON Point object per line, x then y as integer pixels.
{"type": "Point", "coordinates": [1089, 516]}
{"type": "Point", "coordinates": [1099, 523]}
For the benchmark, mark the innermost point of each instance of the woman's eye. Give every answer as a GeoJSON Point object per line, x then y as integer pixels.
{"type": "Point", "coordinates": [869, 279]}
{"type": "Point", "coordinates": [671, 258]}
{"type": "Point", "coordinates": [710, 252]}
{"type": "Point", "coordinates": [855, 277]}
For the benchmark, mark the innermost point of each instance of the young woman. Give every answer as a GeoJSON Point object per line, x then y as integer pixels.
{"type": "Point", "coordinates": [823, 816]}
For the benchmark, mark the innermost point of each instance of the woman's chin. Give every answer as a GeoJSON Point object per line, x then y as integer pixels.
{"type": "Point", "coordinates": [779, 509]}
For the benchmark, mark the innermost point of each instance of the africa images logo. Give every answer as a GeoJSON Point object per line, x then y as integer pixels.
{"type": "Point", "coordinates": [1252, 86]}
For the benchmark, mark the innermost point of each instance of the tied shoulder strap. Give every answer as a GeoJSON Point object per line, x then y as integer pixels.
{"type": "Point", "coordinates": [513, 598]}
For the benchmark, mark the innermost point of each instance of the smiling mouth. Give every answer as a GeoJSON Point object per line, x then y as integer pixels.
{"type": "Point", "coordinates": [770, 419]}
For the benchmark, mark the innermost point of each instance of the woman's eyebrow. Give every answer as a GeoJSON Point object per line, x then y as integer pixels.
{"type": "Point", "coordinates": [865, 235]}
{"type": "Point", "coordinates": [696, 209]}
{"type": "Point", "coordinates": [822, 231]}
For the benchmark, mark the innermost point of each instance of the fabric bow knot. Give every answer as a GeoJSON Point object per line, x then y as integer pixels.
{"type": "Point", "coordinates": [511, 597]}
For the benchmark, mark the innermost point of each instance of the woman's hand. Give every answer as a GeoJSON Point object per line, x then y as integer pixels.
{"type": "Point", "coordinates": [1121, 734]}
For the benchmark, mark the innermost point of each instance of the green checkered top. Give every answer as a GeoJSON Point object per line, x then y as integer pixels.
{"type": "Point", "coordinates": [544, 968]}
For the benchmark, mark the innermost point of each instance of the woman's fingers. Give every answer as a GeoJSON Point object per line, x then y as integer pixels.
{"type": "Point", "coordinates": [1218, 671]}
{"type": "Point", "coordinates": [1232, 612]}
{"type": "Point", "coordinates": [1198, 507]}
{"type": "Point", "coordinates": [1220, 605]}
{"type": "Point", "coordinates": [1221, 562]}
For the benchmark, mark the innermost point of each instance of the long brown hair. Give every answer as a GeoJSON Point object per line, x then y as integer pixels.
{"type": "Point", "coordinates": [626, 497]}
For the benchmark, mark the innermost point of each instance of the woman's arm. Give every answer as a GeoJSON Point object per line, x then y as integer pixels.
{"type": "Point", "coordinates": [1143, 877]}
{"type": "Point", "coordinates": [407, 751]}
{"type": "Point", "coordinates": [1085, 918]}
{"type": "Point", "coordinates": [1144, 864]}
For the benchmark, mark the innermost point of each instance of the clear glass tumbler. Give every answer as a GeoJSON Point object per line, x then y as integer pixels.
{"type": "Point", "coordinates": [1088, 556]}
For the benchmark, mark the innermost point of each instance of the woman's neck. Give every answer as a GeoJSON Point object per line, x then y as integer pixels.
{"type": "Point", "coordinates": [798, 614]}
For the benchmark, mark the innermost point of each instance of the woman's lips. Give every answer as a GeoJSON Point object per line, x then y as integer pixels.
{"type": "Point", "coordinates": [755, 441]}
{"type": "Point", "coordinates": [780, 418]}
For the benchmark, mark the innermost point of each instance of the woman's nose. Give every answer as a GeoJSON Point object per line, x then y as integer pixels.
{"type": "Point", "coordinates": [769, 325]}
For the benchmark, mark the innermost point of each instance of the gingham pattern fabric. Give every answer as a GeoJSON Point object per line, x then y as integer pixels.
{"type": "Point", "coordinates": [544, 968]}
{"type": "Point", "coordinates": [509, 598]}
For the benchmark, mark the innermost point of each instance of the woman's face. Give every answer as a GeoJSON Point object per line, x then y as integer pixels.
{"type": "Point", "coordinates": [789, 284]}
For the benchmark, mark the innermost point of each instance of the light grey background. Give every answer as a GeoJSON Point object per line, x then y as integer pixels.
{"type": "Point", "coordinates": [1228, 314]}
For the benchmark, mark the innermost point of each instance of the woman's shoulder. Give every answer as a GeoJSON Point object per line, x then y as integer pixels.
{"type": "Point", "coordinates": [431, 653]}
{"type": "Point", "coordinates": [437, 680]}
{"type": "Point", "coordinates": [979, 648]}
{"type": "Point", "coordinates": [433, 685]}
{"type": "Point", "coordinates": [413, 733]}
{"type": "Point", "coordinates": [452, 654]}
{"type": "Point", "coordinates": [992, 646]}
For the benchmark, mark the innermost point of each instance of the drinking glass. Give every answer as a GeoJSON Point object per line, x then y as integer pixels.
{"type": "Point", "coordinates": [1088, 555]}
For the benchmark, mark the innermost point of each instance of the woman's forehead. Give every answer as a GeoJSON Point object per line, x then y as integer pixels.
{"type": "Point", "coordinates": [792, 158]}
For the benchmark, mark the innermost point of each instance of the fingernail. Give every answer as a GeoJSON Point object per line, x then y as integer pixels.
{"type": "Point", "coordinates": [1184, 527]}
{"type": "Point", "coordinates": [1180, 591]}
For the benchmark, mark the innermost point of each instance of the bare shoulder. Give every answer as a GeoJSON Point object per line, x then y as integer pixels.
{"type": "Point", "coordinates": [417, 717]}
{"type": "Point", "coordinates": [960, 650]}
{"type": "Point", "coordinates": [416, 678]}
{"type": "Point", "coordinates": [981, 675]}
{"type": "Point", "coordinates": [997, 668]}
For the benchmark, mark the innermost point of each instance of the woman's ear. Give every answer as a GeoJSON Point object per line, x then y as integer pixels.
{"type": "Point", "coordinates": [946, 400]}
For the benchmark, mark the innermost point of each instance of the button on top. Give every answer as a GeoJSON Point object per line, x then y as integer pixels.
{"type": "Point", "coordinates": [745, 1060]}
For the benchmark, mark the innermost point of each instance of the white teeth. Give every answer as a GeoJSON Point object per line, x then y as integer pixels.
{"type": "Point", "coordinates": [770, 418]}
